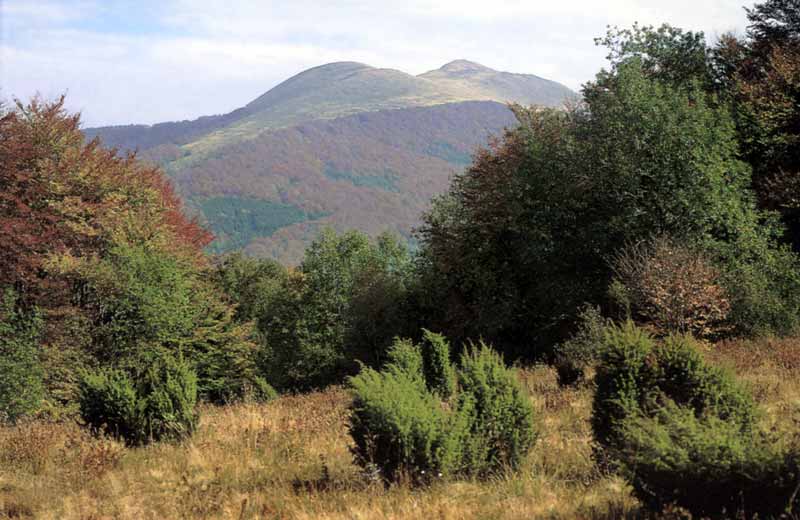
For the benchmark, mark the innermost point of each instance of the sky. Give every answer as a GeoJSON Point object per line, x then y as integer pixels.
{"type": "Point", "coordinates": [147, 61]}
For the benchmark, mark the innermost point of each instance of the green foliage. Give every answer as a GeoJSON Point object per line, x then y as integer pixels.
{"type": "Point", "coordinates": [761, 75]}
{"type": "Point", "coordinates": [755, 80]}
{"type": "Point", "coordinates": [65, 355]}
{"type": "Point", "coordinates": [402, 428]}
{"type": "Point", "coordinates": [583, 349]}
{"type": "Point", "coordinates": [502, 429]}
{"type": "Point", "coordinates": [707, 466]}
{"type": "Point", "coordinates": [762, 280]}
{"type": "Point", "coordinates": [21, 375]}
{"type": "Point", "coordinates": [404, 423]}
{"type": "Point", "coordinates": [237, 220]}
{"type": "Point", "coordinates": [683, 432]}
{"type": "Point", "coordinates": [250, 283]}
{"type": "Point", "coordinates": [109, 401]}
{"type": "Point", "coordinates": [637, 374]}
{"type": "Point", "coordinates": [142, 301]}
{"type": "Point", "coordinates": [154, 403]}
{"type": "Point", "coordinates": [666, 53]}
{"type": "Point", "coordinates": [224, 356]}
{"type": "Point", "coordinates": [622, 369]}
{"type": "Point", "coordinates": [386, 181]}
{"type": "Point", "coordinates": [138, 299]}
{"type": "Point", "coordinates": [403, 356]}
{"type": "Point", "coordinates": [523, 237]}
{"type": "Point", "coordinates": [436, 366]}
{"type": "Point", "coordinates": [344, 305]}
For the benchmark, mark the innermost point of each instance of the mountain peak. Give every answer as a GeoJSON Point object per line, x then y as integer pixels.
{"type": "Point", "coordinates": [335, 70]}
{"type": "Point", "coordinates": [464, 66]}
{"type": "Point", "coordinates": [339, 66]}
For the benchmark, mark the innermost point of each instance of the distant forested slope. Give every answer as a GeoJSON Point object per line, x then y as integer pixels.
{"type": "Point", "coordinates": [343, 145]}
{"type": "Point", "coordinates": [372, 171]}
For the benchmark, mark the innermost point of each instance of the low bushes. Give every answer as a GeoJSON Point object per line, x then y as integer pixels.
{"type": "Point", "coordinates": [402, 428]}
{"type": "Point", "coordinates": [152, 404]}
{"type": "Point", "coordinates": [436, 367]}
{"type": "Point", "coordinates": [684, 433]}
{"type": "Point", "coordinates": [421, 418]}
{"type": "Point", "coordinates": [574, 356]}
{"type": "Point", "coordinates": [707, 465]}
{"type": "Point", "coordinates": [501, 417]}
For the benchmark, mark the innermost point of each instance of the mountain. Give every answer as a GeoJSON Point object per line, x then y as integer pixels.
{"type": "Point", "coordinates": [342, 144]}
{"type": "Point", "coordinates": [481, 82]}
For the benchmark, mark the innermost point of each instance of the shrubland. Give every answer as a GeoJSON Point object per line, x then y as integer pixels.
{"type": "Point", "coordinates": [685, 433]}
{"type": "Point", "coordinates": [291, 458]}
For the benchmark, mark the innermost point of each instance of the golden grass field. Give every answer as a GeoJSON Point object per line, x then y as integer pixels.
{"type": "Point", "coordinates": [290, 459]}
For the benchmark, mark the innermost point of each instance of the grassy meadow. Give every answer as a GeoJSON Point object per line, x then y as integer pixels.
{"type": "Point", "coordinates": [290, 458]}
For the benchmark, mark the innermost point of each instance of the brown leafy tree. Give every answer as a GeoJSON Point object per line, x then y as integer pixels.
{"type": "Point", "coordinates": [672, 286]}
{"type": "Point", "coordinates": [100, 243]}
{"type": "Point", "coordinates": [60, 194]}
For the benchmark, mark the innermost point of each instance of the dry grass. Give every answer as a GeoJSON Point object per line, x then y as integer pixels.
{"type": "Point", "coordinates": [770, 367]}
{"type": "Point", "coordinates": [290, 459]}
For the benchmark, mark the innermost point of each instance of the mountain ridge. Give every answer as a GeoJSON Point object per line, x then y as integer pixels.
{"type": "Point", "coordinates": [386, 88]}
{"type": "Point", "coordinates": [344, 144]}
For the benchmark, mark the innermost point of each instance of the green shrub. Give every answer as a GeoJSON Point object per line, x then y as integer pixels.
{"type": "Point", "coordinates": [437, 368]}
{"type": "Point", "coordinates": [403, 422]}
{"type": "Point", "coordinates": [686, 379]}
{"type": "Point", "coordinates": [683, 432]}
{"type": "Point", "coordinates": [223, 357]}
{"type": "Point", "coordinates": [21, 374]}
{"type": "Point", "coordinates": [341, 307]}
{"type": "Point", "coordinates": [262, 391]}
{"type": "Point", "coordinates": [502, 429]}
{"type": "Point", "coordinates": [637, 375]}
{"type": "Point", "coordinates": [574, 356]}
{"type": "Point", "coordinates": [621, 379]}
{"type": "Point", "coordinates": [154, 403]}
{"type": "Point", "coordinates": [764, 286]}
{"type": "Point", "coordinates": [403, 429]}
{"type": "Point", "coordinates": [109, 402]}
{"type": "Point", "coordinates": [706, 466]}
{"type": "Point", "coordinates": [404, 356]}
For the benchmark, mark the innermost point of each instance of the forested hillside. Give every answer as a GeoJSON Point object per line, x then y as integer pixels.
{"type": "Point", "coordinates": [343, 144]}
{"type": "Point", "coordinates": [374, 172]}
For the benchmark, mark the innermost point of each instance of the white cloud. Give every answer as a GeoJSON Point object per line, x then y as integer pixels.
{"type": "Point", "coordinates": [45, 11]}
{"type": "Point", "coordinates": [196, 57]}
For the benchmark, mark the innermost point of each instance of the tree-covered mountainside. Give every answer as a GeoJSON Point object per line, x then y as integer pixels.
{"type": "Point", "coordinates": [373, 171]}
{"type": "Point", "coordinates": [343, 144]}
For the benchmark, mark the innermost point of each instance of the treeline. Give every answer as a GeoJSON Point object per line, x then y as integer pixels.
{"type": "Point", "coordinates": [666, 197]}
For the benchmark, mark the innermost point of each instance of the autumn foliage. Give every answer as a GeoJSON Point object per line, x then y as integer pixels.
{"type": "Point", "coordinates": [98, 242]}
{"type": "Point", "coordinates": [672, 286]}
{"type": "Point", "coordinates": [60, 195]}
